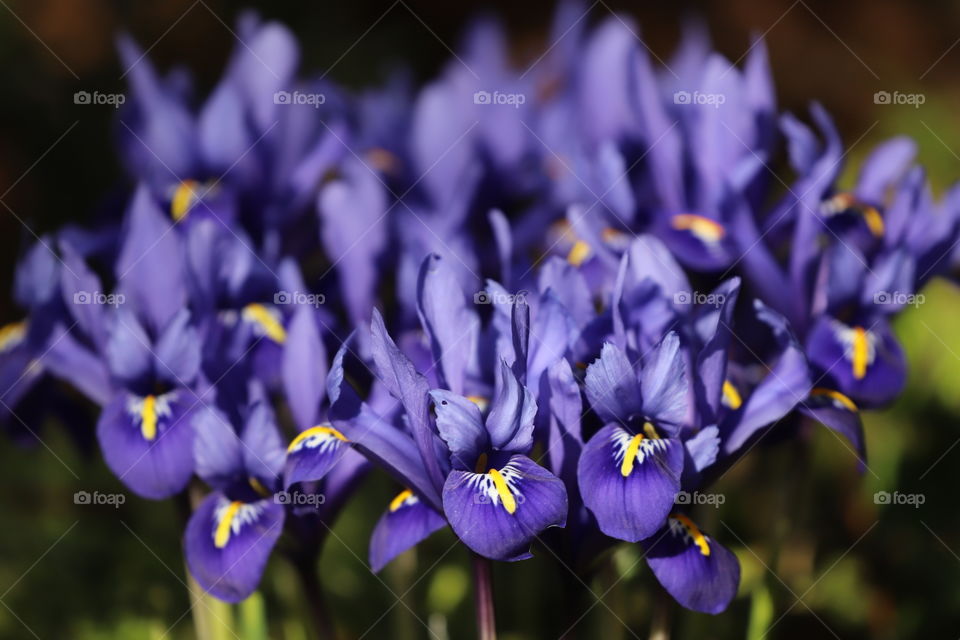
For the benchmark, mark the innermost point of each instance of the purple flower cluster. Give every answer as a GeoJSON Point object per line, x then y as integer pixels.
{"type": "Point", "coordinates": [556, 297]}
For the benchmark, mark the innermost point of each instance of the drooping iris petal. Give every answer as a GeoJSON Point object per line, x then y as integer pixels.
{"type": "Point", "coordinates": [699, 573]}
{"type": "Point", "coordinates": [865, 363]}
{"type": "Point", "coordinates": [461, 427]}
{"type": "Point", "coordinates": [406, 522]}
{"type": "Point", "coordinates": [611, 385]}
{"type": "Point", "coordinates": [312, 453]}
{"type": "Point", "coordinates": [498, 513]}
{"type": "Point", "coordinates": [227, 544]}
{"type": "Point", "coordinates": [839, 413]}
{"type": "Point", "coordinates": [630, 481]}
{"type": "Point", "coordinates": [147, 442]}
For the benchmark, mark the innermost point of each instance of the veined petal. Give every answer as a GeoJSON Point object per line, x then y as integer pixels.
{"type": "Point", "coordinates": [227, 544]}
{"type": "Point", "coordinates": [630, 481]}
{"type": "Point", "coordinates": [406, 522]}
{"type": "Point", "coordinates": [699, 573]}
{"type": "Point", "coordinates": [460, 426]}
{"type": "Point", "coordinates": [312, 453]}
{"type": "Point", "coordinates": [147, 441]}
{"type": "Point", "coordinates": [611, 385]}
{"type": "Point", "coordinates": [498, 513]}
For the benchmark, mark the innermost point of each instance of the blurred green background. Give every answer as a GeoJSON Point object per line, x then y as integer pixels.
{"type": "Point", "coordinates": [820, 558]}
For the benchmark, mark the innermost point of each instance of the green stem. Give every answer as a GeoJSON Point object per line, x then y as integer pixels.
{"type": "Point", "coordinates": [305, 566]}
{"type": "Point", "coordinates": [483, 598]}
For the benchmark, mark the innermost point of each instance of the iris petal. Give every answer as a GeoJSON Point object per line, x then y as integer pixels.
{"type": "Point", "coordinates": [406, 522]}
{"type": "Point", "coordinates": [630, 481]}
{"type": "Point", "coordinates": [227, 544]}
{"type": "Point", "coordinates": [499, 513]}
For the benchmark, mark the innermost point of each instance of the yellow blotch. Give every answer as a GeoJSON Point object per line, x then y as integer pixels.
{"type": "Point", "coordinates": [704, 228]}
{"type": "Point", "coordinates": [11, 334]}
{"type": "Point", "coordinates": [731, 395]}
{"type": "Point", "coordinates": [650, 431]}
{"type": "Point", "coordinates": [397, 502]}
{"type": "Point", "coordinates": [579, 252]}
{"type": "Point", "coordinates": [861, 351]}
{"type": "Point", "coordinates": [183, 198]}
{"type": "Point", "coordinates": [481, 402]}
{"type": "Point", "coordinates": [148, 418]}
{"type": "Point", "coordinates": [698, 538]}
{"type": "Point", "coordinates": [874, 221]}
{"type": "Point", "coordinates": [260, 315]}
{"type": "Point", "coordinates": [257, 486]}
{"type": "Point", "coordinates": [312, 431]}
{"type": "Point", "coordinates": [835, 395]}
{"type": "Point", "coordinates": [222, 536]}
{"type": "Point", "coordinates": [506, 498]}
{"type": "Point", "coordinates": [630, 457]}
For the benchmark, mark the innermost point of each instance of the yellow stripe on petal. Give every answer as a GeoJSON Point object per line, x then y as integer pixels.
{"type": "Point", "coordinates": [630, 457]}
{"type": "Point", "coordinates": [184, 197]}
{"type": "Point", "coordinates": [224, 527]}
{"type": "Point", "coordinates": [835, 395]}
{"type": "Point", "coordinates": [315, 431]}
{"type": "Point", "coordinates": [402, 497]}
{"type": "Point", "coordinates": [579, 252]}
{"type": "Point", "coordinates": [703, 228]}
{"type": "Point", "coordinates": [698, 538]}
{"type": "Point", "coordinates": [148, 418]}
{"type": "Point", "coordinates": [506, 498]}
{"type": "Point", "coordinates": [874, 221]}
{"type": "Point", "coordinates": [263, 318]}
{"type": "Point", "coordinates": [12, 334]}
{"type": "Point", "coordinates": [731, 396]}
{"type": "Point", "coordinates": [481, 402]}
{"type": "Point", "coordinates": [861, 353]}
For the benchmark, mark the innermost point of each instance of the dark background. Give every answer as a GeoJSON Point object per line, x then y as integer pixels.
{"type": "Point", "coordinates": [802, 521]}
